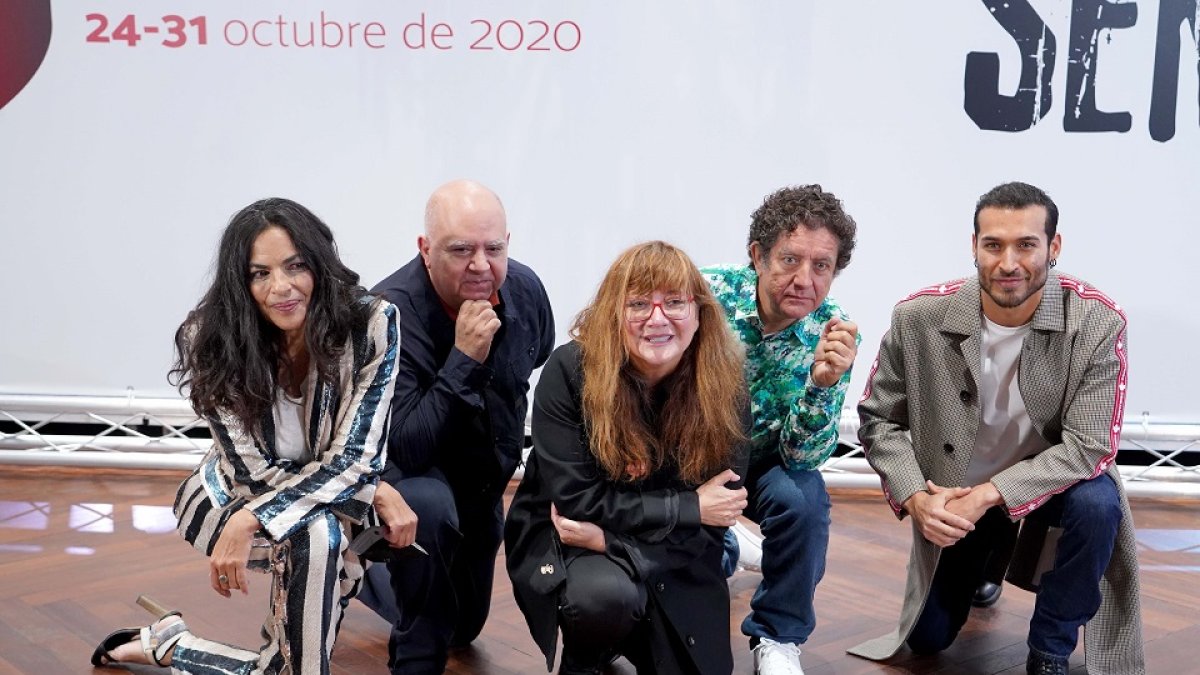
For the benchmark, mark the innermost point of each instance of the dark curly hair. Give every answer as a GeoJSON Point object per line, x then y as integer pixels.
{"type": "Point", "coordinates": [227, 353]}
{"type": "Point", "coordinates": [786, 209]}
{"type": "Point", "coordinates": [1017, 195]}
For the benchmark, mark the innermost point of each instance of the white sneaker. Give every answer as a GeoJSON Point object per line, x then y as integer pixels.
{"type": "Point", "coordinates": [749, 546]}
{"type": "Point", "coordinates": [777, 658]}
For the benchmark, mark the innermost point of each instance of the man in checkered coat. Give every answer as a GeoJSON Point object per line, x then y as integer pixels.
{"type": "Point", "coordinates": [999, 397]}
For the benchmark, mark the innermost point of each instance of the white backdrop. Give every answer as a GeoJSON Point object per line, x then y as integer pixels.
{"type": "Point", "coordinates": [120, 164]}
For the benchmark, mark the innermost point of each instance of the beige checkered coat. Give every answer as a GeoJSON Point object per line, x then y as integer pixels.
{"type": "Point", "coordinates": [920, 414]}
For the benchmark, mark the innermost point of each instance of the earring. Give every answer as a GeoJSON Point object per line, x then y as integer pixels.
{"type": "Point", "coordinates": [976, 264]}
{"type": "Point", "coordinates": [1053, 262]}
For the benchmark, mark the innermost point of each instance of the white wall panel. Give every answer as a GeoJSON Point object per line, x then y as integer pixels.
{"type": "Point", "coordinates": [119, 165]}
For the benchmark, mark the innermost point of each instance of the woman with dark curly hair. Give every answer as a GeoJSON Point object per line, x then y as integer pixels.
{"type": "Point", "coordinates": [292, 364]}
{"type": "Point", "coordinates": [614, 535]}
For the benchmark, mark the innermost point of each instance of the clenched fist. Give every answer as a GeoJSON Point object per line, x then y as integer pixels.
{"type": "Point", "coordinates": [835, 352]}
{"type": "Point", "coordinates": [475, 327]}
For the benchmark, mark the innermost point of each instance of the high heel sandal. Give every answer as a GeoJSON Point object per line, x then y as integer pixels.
{"type": "Point", "coordinates": [155, 644]}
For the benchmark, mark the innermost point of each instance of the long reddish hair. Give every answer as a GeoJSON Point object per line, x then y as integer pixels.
{"type": "Point", "coordinates": [700, 420]}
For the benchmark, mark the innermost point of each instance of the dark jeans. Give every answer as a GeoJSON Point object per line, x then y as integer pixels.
{"type": "Point", "coordinates": [442, 600]}
{"type": "Point", "coordinates": [1089, 513]}
{"type": "Point", "coordinates": [791, 508]}
{"type": "Point", "coordinates": [1002, 552]}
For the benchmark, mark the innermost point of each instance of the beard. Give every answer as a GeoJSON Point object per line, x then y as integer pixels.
{"type": "Point", "coordinates": [1017, 296]}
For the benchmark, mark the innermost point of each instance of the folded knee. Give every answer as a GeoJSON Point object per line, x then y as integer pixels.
{"type": "Point", "coordinates": [433, 502]}
{"type": "Point", "coordinates": [601, 603]}
{"type": "Point", "coordinates": [1095, 500]}
{"type": "Point", "coordinates": [323, 532]}
{"type": "Point", "coordinates": [795, 504]}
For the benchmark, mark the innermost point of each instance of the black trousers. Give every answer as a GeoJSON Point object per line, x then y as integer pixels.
{"type": "Point", "coordinates": [997, 564]}
{"type": "Point", "coordinates": [442, 600]}
{"type": "Point", "coordinates": [601, 613]}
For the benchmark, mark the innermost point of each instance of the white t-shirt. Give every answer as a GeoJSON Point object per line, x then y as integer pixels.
{"type": "Point", "coordinates": [1006, 434]}
{"type": "Point", "coordinates": [290, 441]}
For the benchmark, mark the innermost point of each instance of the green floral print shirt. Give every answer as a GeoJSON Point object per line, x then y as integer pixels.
{"type": "Point", "coordinates": [791, 415]}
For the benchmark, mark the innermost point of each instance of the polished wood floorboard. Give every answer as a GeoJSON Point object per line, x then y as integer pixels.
{"type": "Point", "coordinates": [77, 546]}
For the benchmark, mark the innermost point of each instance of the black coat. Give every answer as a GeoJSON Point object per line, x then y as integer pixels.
{"type": "Point", "coordinates": [652, 530]}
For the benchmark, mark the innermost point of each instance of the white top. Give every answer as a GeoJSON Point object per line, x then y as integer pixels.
{"type": "Point", "coordinates": [1006, 434]}
{"type": "Point", "coordinates": [290, 441]}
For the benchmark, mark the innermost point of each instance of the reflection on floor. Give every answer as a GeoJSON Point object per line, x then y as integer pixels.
{"type": "Point", "coordinates": [85, 518]}
{"type": "Point", "coordinates": [1180, 549]}
{"type": "Point", "coordinates": [76, 546]}
{"type": "Point", "coordinates": [1177, 550]}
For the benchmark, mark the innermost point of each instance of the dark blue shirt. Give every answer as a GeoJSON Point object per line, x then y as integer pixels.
{"type": "Point", "coordinates": [450, 411]}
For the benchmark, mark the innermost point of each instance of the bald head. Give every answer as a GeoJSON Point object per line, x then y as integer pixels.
{"type": "Point", "coordinates": [451, 200]}
{"type": "Point", "coordinates": [465, 245]}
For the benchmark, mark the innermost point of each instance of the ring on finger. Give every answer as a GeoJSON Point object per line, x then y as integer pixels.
{"type": "Point", "coordinates": [223, 580]}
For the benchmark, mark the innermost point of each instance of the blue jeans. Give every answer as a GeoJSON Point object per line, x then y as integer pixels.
{"type": "Point", "coordinates": [731, 555]}
{"type": "Point", "coordinates": [1089, 514]}
{"type": "Point", "coordinates": [791, 508]}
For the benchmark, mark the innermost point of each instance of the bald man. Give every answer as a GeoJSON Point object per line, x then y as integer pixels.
{"type": "Point", "coordinates": [474, 325]}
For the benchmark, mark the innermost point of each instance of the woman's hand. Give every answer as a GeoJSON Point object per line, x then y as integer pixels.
{"type": "Point", "coordinates": [720, 506]}
{"type": "Point", "coordinates": [227, 564]}
{"type": "Point", "coordinates": [576, 533]}
{"type": "Point", "coordinates": [399, 520]}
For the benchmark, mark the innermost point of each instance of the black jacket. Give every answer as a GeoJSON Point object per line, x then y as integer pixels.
{"type": "Point", "coordinates": [652, 530]}
{"type": "Point", "coordinates": [449, 411]}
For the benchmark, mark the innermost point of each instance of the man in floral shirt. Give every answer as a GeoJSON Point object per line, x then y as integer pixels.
{"type": "Point", "coordinates": [800, 346]}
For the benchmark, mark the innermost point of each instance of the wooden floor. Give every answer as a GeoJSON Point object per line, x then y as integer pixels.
{"type": "Point", "coordinates": [77, 546]}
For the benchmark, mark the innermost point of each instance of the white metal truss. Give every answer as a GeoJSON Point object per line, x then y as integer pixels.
{"type": "Point", "coordinates": [120, 443]}
{"type": "Point", "coordinates": [1166, 476]}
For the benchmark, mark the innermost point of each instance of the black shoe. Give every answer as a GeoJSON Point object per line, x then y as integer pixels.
{"type": "Point", "coordinates": [986, 595]}
{"type": "Point", "coordinates": [1037, 664]}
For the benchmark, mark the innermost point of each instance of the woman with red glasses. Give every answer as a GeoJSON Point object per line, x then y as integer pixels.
{"type": "Point", "coordinates": [639, 424]}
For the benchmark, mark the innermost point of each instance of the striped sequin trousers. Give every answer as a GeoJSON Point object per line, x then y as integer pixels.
{"type": "Point", "coordinates": [313, 578]}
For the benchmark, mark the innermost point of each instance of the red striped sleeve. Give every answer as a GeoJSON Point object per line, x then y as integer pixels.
{"type": "Point", "coordinates": [1086, 292]}
{"type": "Point", "coordinates": [948, 288]}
